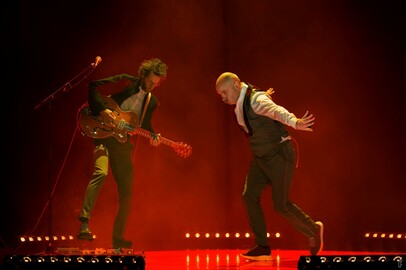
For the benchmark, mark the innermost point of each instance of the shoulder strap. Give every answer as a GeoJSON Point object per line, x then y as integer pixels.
{"type": "Point", "coordinates": [148, 98]}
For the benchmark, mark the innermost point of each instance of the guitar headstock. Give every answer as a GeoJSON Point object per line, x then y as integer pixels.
{"type": "Point", "coordinates": [183, 150]}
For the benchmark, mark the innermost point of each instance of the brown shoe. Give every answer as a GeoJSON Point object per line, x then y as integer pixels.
{"type": "Point", "coordinates": [84, 232]}
{"type": "Point", "coordinates": [258, 253]}
{"type": "Point", "coordinates": [316, 242]}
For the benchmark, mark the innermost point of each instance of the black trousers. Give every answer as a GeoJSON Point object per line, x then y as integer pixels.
{"type": "Point", "coordinates": [119, 156]}
{"type": "Point", "coordinates": [277, 171]}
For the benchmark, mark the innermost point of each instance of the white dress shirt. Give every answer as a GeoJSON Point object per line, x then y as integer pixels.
{"type": "Point", "coordinates": [262, 104]}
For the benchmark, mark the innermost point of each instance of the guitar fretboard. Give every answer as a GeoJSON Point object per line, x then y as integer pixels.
{"type": "Point", "coordinates": [150, 135]}
{"type": "Point", "coordinates": [145, 133]}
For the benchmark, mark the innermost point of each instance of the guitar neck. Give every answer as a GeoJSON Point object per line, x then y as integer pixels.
{"type": "Point", "coordinates": [147, 134]}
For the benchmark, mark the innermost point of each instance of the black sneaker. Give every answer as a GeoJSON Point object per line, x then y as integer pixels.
{"type": "Point", "coordinates": [258, 253]}
{"type": "Point", "coordinates": [121, 243]}
{"type": "Point", "coordinates": [316, 242]}
{"type": "Point", "coordinates": [84, 232]}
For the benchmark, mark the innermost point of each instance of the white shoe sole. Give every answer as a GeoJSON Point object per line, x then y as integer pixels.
{"type": "Point", "coordinates": [257, 258]}
{"type": "Point", "coordinates": [321, 235]}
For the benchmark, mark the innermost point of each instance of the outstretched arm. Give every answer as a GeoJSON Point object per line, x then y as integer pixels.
{"type": "Point", "coordinates": [262, 104]}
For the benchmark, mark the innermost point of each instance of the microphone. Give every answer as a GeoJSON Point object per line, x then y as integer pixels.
{"type": "Point", "coordinates": [97, 61]}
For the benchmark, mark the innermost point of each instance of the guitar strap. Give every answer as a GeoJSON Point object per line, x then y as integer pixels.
{"type": "Point", "coordinates": [148, 98]}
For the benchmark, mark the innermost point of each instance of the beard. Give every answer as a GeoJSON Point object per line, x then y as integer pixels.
{"type": "Point", "coordinates": [143, 85]}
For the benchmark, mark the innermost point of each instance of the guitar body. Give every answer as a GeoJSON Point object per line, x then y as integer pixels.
{"type": "Point", "coordinates": [95, 127]}
{"type": "Point", "coordinates": [125, 123]}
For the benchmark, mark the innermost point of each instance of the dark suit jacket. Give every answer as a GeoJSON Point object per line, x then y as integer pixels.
{"type": "Point", "coordinates": [97, 104]}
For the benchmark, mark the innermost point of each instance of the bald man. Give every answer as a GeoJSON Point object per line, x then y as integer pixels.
{"type": "Point", "coordinates": [273, 163]}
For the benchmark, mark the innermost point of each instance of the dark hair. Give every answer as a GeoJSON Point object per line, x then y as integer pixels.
{"type": "Point", "coordinates": [152, 65]}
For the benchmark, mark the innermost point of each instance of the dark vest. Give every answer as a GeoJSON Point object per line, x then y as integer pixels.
{"type": "Point", "coordinates": [265, 134]}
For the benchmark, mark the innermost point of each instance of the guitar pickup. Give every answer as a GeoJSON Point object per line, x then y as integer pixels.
{"type": "Point", "coordinates": [121, 124]}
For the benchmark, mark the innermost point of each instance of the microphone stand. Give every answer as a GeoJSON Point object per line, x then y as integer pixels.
{"type": "Point", "coordinates": [48, 100]}
{"type": "Point", "coordinates": [70, 84]}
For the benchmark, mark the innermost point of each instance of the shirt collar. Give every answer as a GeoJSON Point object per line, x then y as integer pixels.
{"type": "Point", "coordinates": [243, 91]}
{"type": "Point", "coordinates": [142, 91]}
{"type": "Point", "coordinates": [239, 111]}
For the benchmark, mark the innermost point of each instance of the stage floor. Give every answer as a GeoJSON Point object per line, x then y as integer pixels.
{"type": "Point", "coordinates": [230, 259]}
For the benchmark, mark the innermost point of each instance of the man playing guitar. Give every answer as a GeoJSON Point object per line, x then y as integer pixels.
{"type": "Point", "coordinates": [137, 99]}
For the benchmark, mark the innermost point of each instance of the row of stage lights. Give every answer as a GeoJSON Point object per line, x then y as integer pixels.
{"type": "Point", "coordinates": [187, 235]}
{"type": "Point", "coordinates": [383, 235]}
{"type": "Point", "coordinates": [76, 260]}
{"type": "Point", "coordinates": [227, 235]}
{"type": "Point", "coordinates": [351, 262]}
{"type": "Point", "coordinates": [47, 238]}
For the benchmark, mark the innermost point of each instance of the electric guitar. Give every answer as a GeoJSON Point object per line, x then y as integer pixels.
{"type": "Point", "coordinates": [126, 122]}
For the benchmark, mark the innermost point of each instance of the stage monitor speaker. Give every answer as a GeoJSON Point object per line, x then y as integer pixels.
{"type": "Point", "coordinates": [73, 262]}
{"type": "Point", "coordinates": [355, 262]}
